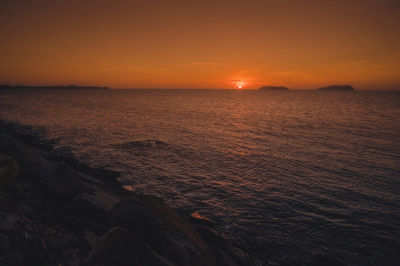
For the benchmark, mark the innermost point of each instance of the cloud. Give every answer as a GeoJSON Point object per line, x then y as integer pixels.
{"type": "Point", "coordinates": [205, 63]}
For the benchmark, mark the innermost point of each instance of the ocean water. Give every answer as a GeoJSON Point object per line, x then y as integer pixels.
{"type": "Point", "coordinates": [287, 174]}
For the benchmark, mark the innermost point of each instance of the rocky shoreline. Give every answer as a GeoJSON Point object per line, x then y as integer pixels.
{"type": "Point", "coordinates": [55, 210]}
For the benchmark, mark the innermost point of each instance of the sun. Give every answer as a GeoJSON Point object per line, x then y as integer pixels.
{"type": "Point", "coordinates": [238, 84]}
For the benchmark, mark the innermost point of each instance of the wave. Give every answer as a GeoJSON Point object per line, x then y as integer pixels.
{"type": "Point", "coordinates": [143, 144]}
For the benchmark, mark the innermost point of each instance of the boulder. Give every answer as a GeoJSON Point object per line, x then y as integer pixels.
{"type": "Point", "coordinates": [12, 259]}
{"type": "Point", "coordinates": [241, 257]}
{"type": "Point", "coordinates": [90, 238]}
{"type": "Point", "coordinates": [60, 180]}
{"type": "Point", "coordinates": [14, 219]}
{"type": "Point", "coordinates": [163, 229]}
{"type": "Point", "coordinates": [6, 225]}
{"type": "Point", "coordinates": [34, 250]}
{"type": "Point", "coordinates": [90, 179]}
{"type": "Point", "coordinates": [93, 207]}
{"type": "Point", "coordinates": [4, 243]}
{"type": "Point", "coordinates": [224, 253]}
{"type": "Point", "coordinates": [197, 218]}
{"type": "Point", "coordinates": [28, 158]}
{"type": "Point", "coordinates": [211, 236]}
{"type": "Point", "coordinates": [8, 170]}
{"type": "Point", "coordinates": [109, 177]}
{"type": "Point", "coordinates": [223, 259]}
{"type": "Point", "coordinates": [71, 257]}
{"type": "Point", "coordinates": [59, 240]}
{"type": "Point", "coordinates": [121, 247]}
{"type": "Point", "coordinates": [324, 260]}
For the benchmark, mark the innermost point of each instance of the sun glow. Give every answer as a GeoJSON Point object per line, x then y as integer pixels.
{"type": "Point", "coordinates": [239, 85]}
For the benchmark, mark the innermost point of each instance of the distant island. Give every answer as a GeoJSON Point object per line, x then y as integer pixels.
{"type": "Point", "coordinates": [337, 88]}
{"type": "Point", "coordinates": [68, 87]}
{"type": "Point", "coordinates": [274, 88]}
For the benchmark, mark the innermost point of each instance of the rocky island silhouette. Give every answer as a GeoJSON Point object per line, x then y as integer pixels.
{"type": "Point", "coordinates": [68, 87]}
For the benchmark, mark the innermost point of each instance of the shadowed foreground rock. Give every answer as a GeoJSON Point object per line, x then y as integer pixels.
{"type": "Point", "coordinates": [119, 246]}
{"type": "Point", "coordinates": [163, 229]}
{"type": "Point", "coordinates": [324, 260]}
{"type": "Point", "coordinates": [8, 170]}
{"type": "Point", "coordinates": [58, 211]}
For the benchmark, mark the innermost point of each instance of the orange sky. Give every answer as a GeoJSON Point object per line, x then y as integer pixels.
{"type": "Point", "coordinates": [201, 44]}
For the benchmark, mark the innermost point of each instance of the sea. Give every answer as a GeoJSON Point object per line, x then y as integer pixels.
{"type": "Point", "coordinates": [286, 174]}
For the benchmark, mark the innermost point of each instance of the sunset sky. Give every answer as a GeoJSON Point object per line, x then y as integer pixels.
{"type": "Point", "coordinates": [201, 44]}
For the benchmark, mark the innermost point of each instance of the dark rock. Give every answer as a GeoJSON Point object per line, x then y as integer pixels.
{"type": "Point", "coordinates": [290, 262]}
{"type": "Point", "coordinates": [90, 179]}
{"type": "Point", "coordinates": [90, 237]}
{"type": "Point", "coordinates": [71, 257]}
{"type": "Point", "coordinates": [28, 158]}
{"type": "Point", "coordinates": [223, 259]}
{"type": "Point", "coordinates": [4, 243]}
{"type": "Point", "coordinates": [8, 170]}
{"type": "Point", "coordinates": [221, 247]}
{"type": "Point", "coordinates": [20, 190]}
{"type": "Point", "coordinates": [12, 259]}
{"type": "Point", "coordinates": [163, 229]}
{"type": "Point", "coordinates": [127, 189]}
{"type": "Point", "coordinates": [92, 207]}
{"type": "Point", "coordinates": [6, 225]}
{"type": "Point", "coordinates": [13, 218]}
{"type": "Point", "coordinates": [60, 179]}
{"type": "Point", "coordinates": [241, 257]}
{"type": "Point", "coordinates": [54, 211]}
{"type": "Point", "coordinates": [109, 177]}
{"type": "Point", "coordinates": [121, 247]}
{"type": "Point", "coordinates": [211, 236]}
{"type": "Point", "coordinates": [59, 240]}
{"type": "Point", "coordinates": [27, 206]}
{"type": "Point", "coordinates": [197, 218]}
{"type": "Point", "coordinates": [34, 250]}
{"type": "Point", "coordinates": [223, 252]}
{"type": "Point", "coordinates": [324, 260]}
{"type": "Point", "coordinates": [17, 220]}
{"type": "Point", "coordinates": [7, 204]}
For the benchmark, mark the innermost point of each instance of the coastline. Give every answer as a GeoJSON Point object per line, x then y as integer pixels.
{"type": "Point", "coordinates": [59, 211]}
{"type": "Point", "coordinates": [58, 87]}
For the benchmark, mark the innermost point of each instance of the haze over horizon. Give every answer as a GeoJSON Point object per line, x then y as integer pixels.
{"type": "Point", "coordinates": [201, 44]}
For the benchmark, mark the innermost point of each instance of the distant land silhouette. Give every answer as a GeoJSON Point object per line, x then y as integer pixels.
{"type": "Point", "coordinates": [337, 88]}
{"type": "Point", "coordinates": [69, 87]}
{"type": "Point", "coordinates": [274, 88]}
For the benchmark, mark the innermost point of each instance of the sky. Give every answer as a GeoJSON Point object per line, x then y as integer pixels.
{"type": "Point", "coordinates": [201, 44]}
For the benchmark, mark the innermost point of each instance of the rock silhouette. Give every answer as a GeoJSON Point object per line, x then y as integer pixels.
{"type": "Point", "coordinates": [8, 170]}
{"type": "Point", "coordinates": [58, 211]}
